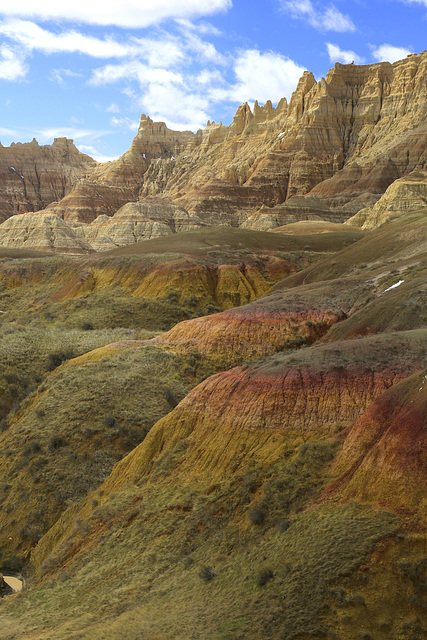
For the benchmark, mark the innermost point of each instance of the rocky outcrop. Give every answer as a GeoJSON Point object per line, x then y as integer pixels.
{"type": "Point", "coordinates": [296, 209]}
{"type": "Point", "coordinates": [41, 231]}
{"type": "Point", "coordinates": [138, 221]}
{"type": "Point", "coordinates": [5, 589]}
{"type": "Point", "coordinates": [113, 184]}
{"type": "Point", "coordinates": [283, 320]}
{"type": "Point", "coordinates": [252, 413]}
{"type": "Point", "coordinates": [344, 138]}
{"type": "Point", "coordinates": [33, 176]}
{"type": "Point", "coordinates": [406, 194]}
{"type": "Point", "coordinates": [134, 222]}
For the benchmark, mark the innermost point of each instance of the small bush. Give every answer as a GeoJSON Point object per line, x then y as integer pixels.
{"type": "Point", "coordinates": [170, 398]}
{"type": "Point", "coordinates": [283, 524]}
{"type": "Point", "coordinates": [110, 422]}
{"type": "Point", "coordinates": [57, 358]}
{"type": "Point", "coordinates": [56, 442]}
{"type": "Point", "coordinates": [257, 515]}
{"type": "Point", "coordinates": [207, 573]}
{"type": "Point", "coordinates": [31, 448]}
{"type": "Point", "coordinates": [264, 576]}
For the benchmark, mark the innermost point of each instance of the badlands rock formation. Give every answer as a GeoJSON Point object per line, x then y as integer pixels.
{"type": "Point", "coordinates": [341, 141]}
{"type": "Point", "coordinates": [405, 194]}
{"type": "Point", "coordinates": [113, 184]}
{"type": "Point", "coordinates": [31, 176]}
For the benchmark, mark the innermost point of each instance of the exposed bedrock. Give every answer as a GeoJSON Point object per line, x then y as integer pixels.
{"type": "Point", "coordinates": [33, 176]}
{"type": "Point", "coordinates": [279, 321]}
{"type": "Point", "coordinates": [384, 456]}
{"type": "Point", "coordinates": [254, 411]}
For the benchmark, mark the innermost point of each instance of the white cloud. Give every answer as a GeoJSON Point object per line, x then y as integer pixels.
{"type": "Point", "coordinates": [389, 53]}
{"type": "Point", "coordinates": [94, 153]}
{"type": "Point", "coordinates": [339, 55]}
{"type": "Point", "coordinates": [424, 2]}
{"type": "Point", "coordinates": [324, 18]}
{"type": "Point", "coordinates": [57, 75]}
{"type": "Point", "coordinates": [159, 52]}
{"type": "Point", "coordinates": [133, 70]}
{"type": "Point", "coordinates": [12, 65]}
{"type": "Point", "coordinates": [125, 123]}
{"type": "Point", "coordinates": [9, 132]}
{"type": "Point", "coordinates": [208, 77]}
{"type": "Point", "coordinates": [204, 50]}
{"type": "Point", "coordinates": [203, 28]}
{"type": "Point", "coordinates": [113, 108]}
{"type": "Point", "coordinates": [46, 135]}
{"type": "Point", "coordinates": [126, 13]}
{"type": "Point", "coordinates": [262, 76]}
{"type": "Point", "coordinates": [178, 106]}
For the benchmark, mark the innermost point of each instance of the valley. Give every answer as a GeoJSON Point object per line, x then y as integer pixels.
{"type": "Point", "coordinates": [213, 383]}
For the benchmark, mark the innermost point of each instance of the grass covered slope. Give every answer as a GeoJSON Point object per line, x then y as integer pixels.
{"type": "Point", "coordinates": [65, 437]}
{"type": "Point", "coordinates": [245, 512]}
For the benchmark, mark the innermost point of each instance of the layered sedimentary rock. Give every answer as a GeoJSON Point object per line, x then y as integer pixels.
{"type": "Point", "coordinates": [41, 231]}
{"type": "Point", "coordinates": [295, 209]}
{"type": "Point", "coordinates": [343, 140]}
{"type": "Point", "coordinates": [406, 194]}
{"type": "Point", "coordinates": [138, 221]}
{"type": "Point", "coordinates": [384, 456]}
{"type": "Point", "coordinates": [249, 414]}
{"type": "Point", "coordinates": [351, 134]}
{"type": "Point", "coordinates": [134, 222]}
{"type": "Point", "coordinates": [280, 321]}
{"type": "Point", "coordinates": [113, 184]}
{"type": "Point", "coordinates": [33, 176]}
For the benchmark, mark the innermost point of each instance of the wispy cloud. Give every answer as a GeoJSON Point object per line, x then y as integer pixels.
{"type": "Point", "coordinates": [126, 13]}
{"type": "Point", "coordinates": [125, 123]}
{"type": "Point", "coordinates": [47, 134]}
{"type": "Point", "coordinates": [182, 100]}
{"type": "Point", "coordinates": [12, 64]}
{"type": "Point", "coordinates": [340, 55]}
{"type": "Point", "coordinates": [94, 153]}
{"type": "Point", "coordinates": [423, 2]}
{"type": "Point", "coordinates": [59, 75]}
{"type": "Point", "coordinates": [321, 18]}
{"type": "Point", "coordinates": [31, 37]}
{"type": "Point", "coordinates": [389, 53]}
{"type": "Point", "coordinates": [13, 133]}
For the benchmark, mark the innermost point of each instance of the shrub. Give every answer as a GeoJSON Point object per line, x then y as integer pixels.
{"type": "Point", "coordinates": [283, 524]}
{"type": "Point", "coordinates": [170, 398]}
{"type": "Point", "coordinates": [32, 447]}
{"type": "Point", "coordinates": [264, 576]}
{"type": "Point", "coordinates": [56, 442]}
{"type": "Point", "coordinates": [257, 515]}
{"type": "Point", "coordinates": [110, 422]}
{"type": "Point", "coordinates": [207, 573]}
{"type": "Point", "coordinates": [57, 358]}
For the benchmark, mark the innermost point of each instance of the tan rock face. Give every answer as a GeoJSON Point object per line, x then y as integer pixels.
{"type": "Point", "coordinates": [134, 222]}
{"type": "Point", "coordinates": [346, 138]}
{"type": "Point", "coordinates": [406, 194]}
{"type": "Point", "coordinates": [40, 231]}
{"type": "Point", "coordinates": [138, 221]}
{"type": "Point", "coordinates": [33, 176]}
{"type": "Point", "coordinates": [113, 184]}
{"type": "Point", "coordinates": [294, 210]}
{"type": "Point", "coordinates": [342, 140]}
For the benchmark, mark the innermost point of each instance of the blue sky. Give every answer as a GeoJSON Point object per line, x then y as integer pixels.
{"type": "Point", "coordinates": [69, 69]}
